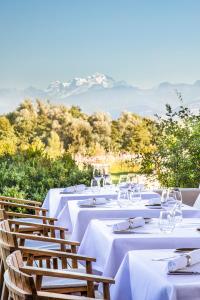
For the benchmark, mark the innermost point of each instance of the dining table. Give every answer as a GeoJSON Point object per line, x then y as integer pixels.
{"type": "Point", "coordinates": [109, 248]}
{"type": "Point", "coordinates": [80, 217]}
{"type": "Point", "coordinates": [144, 275]}
{"type": "Point", "coordinates": [60, 205]}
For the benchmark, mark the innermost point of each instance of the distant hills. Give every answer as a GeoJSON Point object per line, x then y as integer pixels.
{"type": "Point", "coordinates": [100, 92]}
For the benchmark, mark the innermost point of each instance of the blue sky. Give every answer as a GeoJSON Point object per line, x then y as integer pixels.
{"type": "Point", "coordinates": [143, 42]}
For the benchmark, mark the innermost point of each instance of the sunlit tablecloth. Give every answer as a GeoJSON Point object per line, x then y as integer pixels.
{"type": "Point", "coordinates": [80, 217]}
{"type": "Point", "coordinates": [140, 278]}
{"type": "Point", "coordinates": [109, 249]}
{"type": "Point", "coordinates": [58, 205]}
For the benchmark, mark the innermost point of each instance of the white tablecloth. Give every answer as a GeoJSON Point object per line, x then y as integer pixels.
{"type": "Point", "coordinates": [80, 217]}
{"type": "Point", "coordinates": [57, 203]}
{"type": "Point", "coordinates": [140, 278]}
{"type": "Point", "coordinates": [55, 199]}
{"type": "Point", "coordinates": [109, 249]}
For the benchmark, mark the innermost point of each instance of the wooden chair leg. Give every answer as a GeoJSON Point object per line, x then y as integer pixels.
{"type": "Point", "coordinates": [5, 293]}
{"type": "Point", "coordinates": [1, 276]}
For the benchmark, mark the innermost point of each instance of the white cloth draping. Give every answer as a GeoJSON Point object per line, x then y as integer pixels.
{"type": "Point", "coordinates": [80, 217]}
{"type": "Point", "coordinates": [140, 278]}
{"type": "Point", "coordinates": [57, 202]}
{"type": "Point", "coordinates": [109, 248]}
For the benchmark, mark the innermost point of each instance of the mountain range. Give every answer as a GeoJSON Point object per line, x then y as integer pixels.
{"type": "Point", "coordinates": [100, 92]}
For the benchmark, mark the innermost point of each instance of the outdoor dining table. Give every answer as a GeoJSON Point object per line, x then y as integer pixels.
{"type": "Point", "coordinates": [80, 217]}
{"type": "Point", "coordinates": [110, 248]}
{"type": "Point", "coordinates": [57, 198]}
{"type": "Point", "coordinates": [143, 275]}
{"type": "Point", "coordinates": [60, 206]}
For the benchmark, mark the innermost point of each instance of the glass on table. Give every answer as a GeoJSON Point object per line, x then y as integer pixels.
{"type": "Point", "coordinates": [135, 194]}
{"type": "Point", "coordinates": [95, 184]}
{"type": "Point", "coordinates": [167, 221]}
{"type": "Point", "coordinates": [175, 194]}
{"type": "Point", "coordinates": [123, 197]}
{"type": "Point", "coordinates": [107, 181]}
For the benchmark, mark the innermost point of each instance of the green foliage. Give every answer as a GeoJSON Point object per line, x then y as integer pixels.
{"type": "Point", "coordinates": [31, 175]}
{"type": "Point", "coordinates": [176, 159]}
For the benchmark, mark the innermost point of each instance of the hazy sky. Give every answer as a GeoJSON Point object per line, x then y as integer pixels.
{"type": "Point", "coordinates": [143, 42]}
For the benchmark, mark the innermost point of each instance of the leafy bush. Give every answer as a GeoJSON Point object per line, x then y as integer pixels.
{"type": "Point", "coordinates": [28, 174]}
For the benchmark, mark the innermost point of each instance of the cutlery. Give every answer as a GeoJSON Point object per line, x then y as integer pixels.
{"type": "Point", "coordinates": [185, 249]}
{"type": "Point", "coordinates": [183, 273]}
{"type": "Point", "coordinates": [130, 231]}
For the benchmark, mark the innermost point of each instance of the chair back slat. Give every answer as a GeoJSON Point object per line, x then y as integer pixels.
{"type": "Point", "coordinates": [8, 242]}
{"type": "Point", "coordinates": [20, 285]}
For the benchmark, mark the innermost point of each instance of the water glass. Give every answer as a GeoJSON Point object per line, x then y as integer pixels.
{"type": "Point", "coordinates": [135, 195]}
{"type": "Point", "coordinates": [95, 184]}
{"type": "Point", "coordinates": [123, 197]}
{"type": "Point", "coordinates": [167, 221]}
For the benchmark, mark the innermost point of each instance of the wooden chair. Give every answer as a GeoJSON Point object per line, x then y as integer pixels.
{"type": "Point", "coordinates": [20, 200]}
{"type": "Point", "coordinates": [22, 286]}
{"type": "Point", "coordinates": [39, 215]}
{"type": "Point", "coordinates": [25, 226]}
{"type": "Point", "coordinates": [79, 282]}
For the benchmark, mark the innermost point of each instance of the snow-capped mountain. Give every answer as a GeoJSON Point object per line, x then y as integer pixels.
{"type": "Point", "coordinates": [102, 92]}
{"type": "Point", "coordinates": [78, 85]}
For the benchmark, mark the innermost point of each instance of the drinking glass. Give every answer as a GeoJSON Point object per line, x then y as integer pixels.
{"type": "Point", "coordinates": [135, 195]}
{"type": "Point", "coordinates": [107, 181]}
{"type": "Point", "coordinates": [164, 198]}
{"type": "Point", "coordinates": [176, 194]}
{"type": "Point", "coordinates": [166, 221]}
{"type": "Point", "coordinates": [95, 184]}
{"type": "Point", "coordinates": [123, 197]}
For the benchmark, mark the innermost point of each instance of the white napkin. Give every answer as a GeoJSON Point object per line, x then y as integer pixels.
{"type": "Point", "coordinates": [75, 188]}
{"type": "Point", "coordinates": [134, 223]}
{"type": "Point", "coordinates": [69, 189]}
{"type": "Point", "coordinates": [182, 261]}
{"type": "Point", "coordinates": [80, 187]}
{"type": "Point", "coordinates": [95, 201]}
{"type": "Point", "coordinates": [154, 201]}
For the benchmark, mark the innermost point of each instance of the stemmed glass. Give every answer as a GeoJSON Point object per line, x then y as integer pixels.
{"type": "Point", "coordinates": [175, 194]}
{"type": "Point", "coordinates": [95, 184]}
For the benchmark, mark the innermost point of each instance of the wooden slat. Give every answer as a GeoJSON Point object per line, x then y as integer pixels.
{"type": "Point", "coordinates": [6, 198]}
{"type": "Point", "coordinates": [66, 274]}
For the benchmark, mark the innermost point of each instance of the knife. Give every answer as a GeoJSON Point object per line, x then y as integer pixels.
{"type": "Point", "coordinates": [183, 273]}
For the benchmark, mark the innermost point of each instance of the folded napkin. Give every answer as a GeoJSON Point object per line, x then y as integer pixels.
{"type": "Point", "coordinates": [75, 188]}
{"type": "Point", "coordinates": [80, 187]}
{"type": "Point", "coordinates": [93, 201]}
{"type": "Point", "coordinates": [131, 223]}
{"type": "Point", "coordinates": [154, 201]}
{"type": "Point", "coordinates": [69, 189]}
{"type": "Point", "coordinates": [184, 260]}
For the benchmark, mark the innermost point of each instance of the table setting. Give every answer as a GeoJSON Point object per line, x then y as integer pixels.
{"type": "Point", "coordinates": [109, 248]}
{"type": "Point", "coordinates": [171, 274]}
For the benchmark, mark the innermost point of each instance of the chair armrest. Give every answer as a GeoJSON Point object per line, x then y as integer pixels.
{"type": "Point", "coordinates": [44, 226]}
{"type": "Point", "coordinates": [3, 203]}
{"type": "Point", "coordinates": [66, 274]}
{"type": "Point", "coordinates": [53, 253]}
{"type": "Point", "coordinates": [25, 201]}
{"type": "Point", "coordinates": [45, 239]}
{"type": "Point", "coordinates": [23, 215]}
{"type": "Point", "coordinates": [53, 296]}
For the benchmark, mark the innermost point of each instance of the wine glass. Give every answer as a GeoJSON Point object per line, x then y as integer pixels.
{"type": "Point", "coordinates": [164, 198]}
{"type": "Point", "coordinates": [123, 181]}
{"type": "Point", "coordinates": [95, 184]}
{"type": "Point", "coordinates": [167, 221]}
{"type": "Point", "coordinates": [177, 195]}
